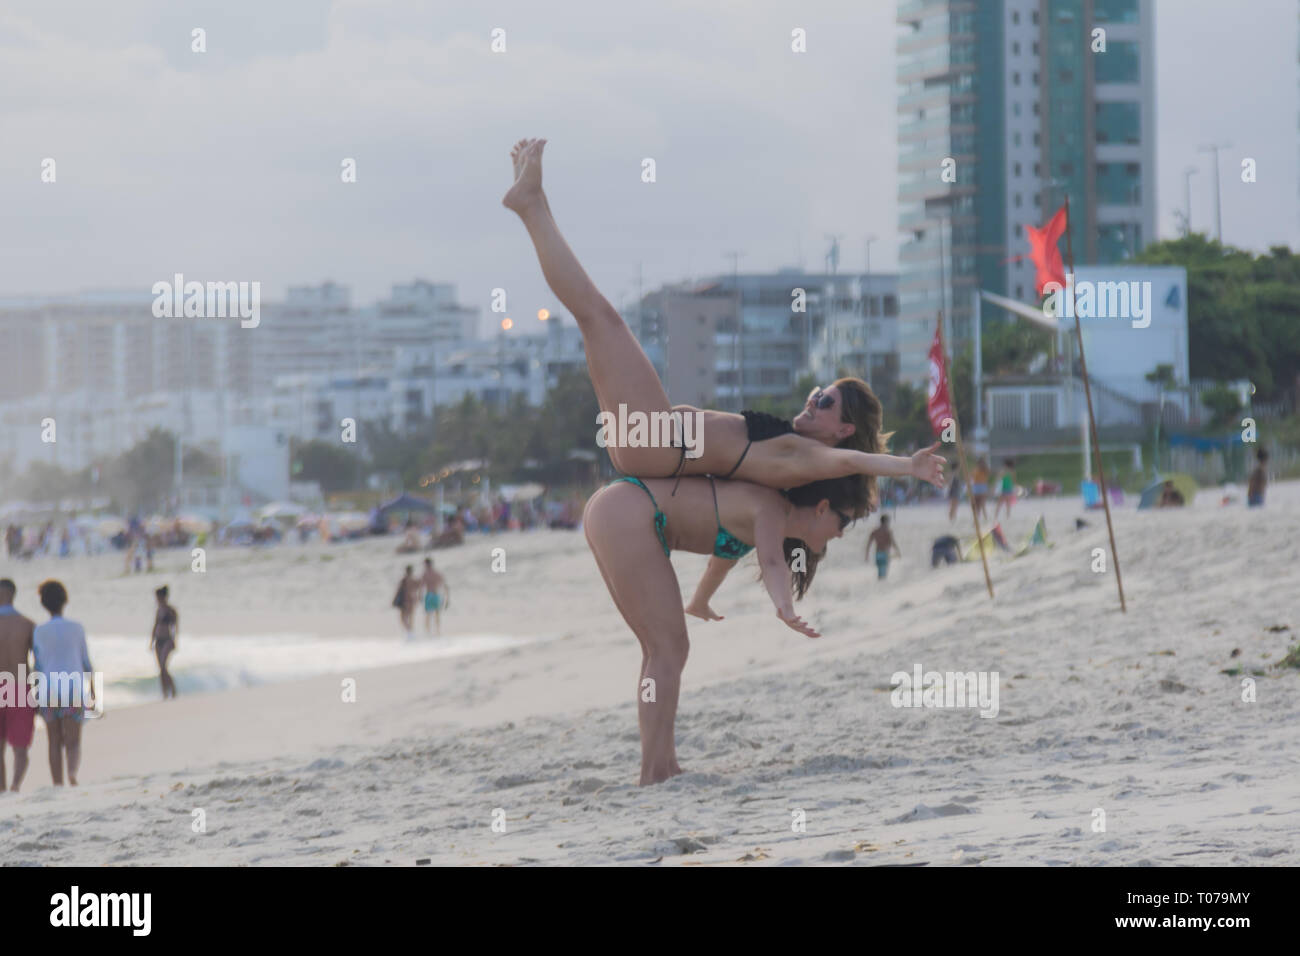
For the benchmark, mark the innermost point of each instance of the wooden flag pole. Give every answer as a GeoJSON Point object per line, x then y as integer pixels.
{"type": "Point", "coordinates": [1092, 419]}
{"type": "Point", "coordinates": [961, 457]}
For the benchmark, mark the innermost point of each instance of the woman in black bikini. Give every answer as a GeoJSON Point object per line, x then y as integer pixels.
{"type": "Point", "coordinates": [166, 626]}
{"type": "Point", "coordinates": [723, 519]}
{"type": "Point", "coordinates": [837, 434]}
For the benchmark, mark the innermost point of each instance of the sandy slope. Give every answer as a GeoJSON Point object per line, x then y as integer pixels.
{"type": "Point", "coordinates": [1124, 713]}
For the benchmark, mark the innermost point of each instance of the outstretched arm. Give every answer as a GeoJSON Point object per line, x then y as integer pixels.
{"type": "Point", "coordinates": [769, 534]}
{"type": "Point", "coordinates": [925, 464]}
{"type": "Point", "coordinates": [713, 577]}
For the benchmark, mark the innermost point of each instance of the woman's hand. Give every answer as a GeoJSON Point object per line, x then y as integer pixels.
{"type": "Point", "coordinates": [928, 466]}
{"type": "Point", "coordinates": [794, 622]}
{"type": "Point", "coordinates": [702, 610]}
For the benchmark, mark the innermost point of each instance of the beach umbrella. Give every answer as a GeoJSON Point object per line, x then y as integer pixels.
{"type": "Point", "coordinates": [193, 523]}
{"type": "Point", "coordinates": [109, 526]}
{"type": "Point", "coordinates": [406, 502]}
{"type": "Point", "coordinates": [281, 509]}
{"type": "Point", "coordinates": [1184, 484]}
{"type": "Point", "coordinates": [525, 492]}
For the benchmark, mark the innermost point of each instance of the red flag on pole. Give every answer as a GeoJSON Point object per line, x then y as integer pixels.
{"type": "Point", "coordinates": [939, 405]}
{"type": "Point", "coordinates": [1044, 251]}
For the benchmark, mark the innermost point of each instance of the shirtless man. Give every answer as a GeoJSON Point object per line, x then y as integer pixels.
{"type": "Point", "coordinates": [17, 720]}
{"type": "Point", "coordinates": [437, 595]}
{"type": "Point", "coordinates": [884, 541]}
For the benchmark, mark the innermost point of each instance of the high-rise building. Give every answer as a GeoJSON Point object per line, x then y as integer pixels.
{"type": "Point", "coordinates": [1005, 107]}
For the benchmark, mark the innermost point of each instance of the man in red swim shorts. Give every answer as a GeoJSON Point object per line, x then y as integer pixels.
{"type": "Point", "coordinates": [17, 720]}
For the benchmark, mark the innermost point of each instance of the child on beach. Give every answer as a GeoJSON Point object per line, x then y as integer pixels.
{"type": "Point", "coordinates": [884, 541]}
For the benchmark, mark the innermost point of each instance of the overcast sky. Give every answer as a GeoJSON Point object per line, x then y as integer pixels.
{"type": "Point", "coordinates": [225, 165]}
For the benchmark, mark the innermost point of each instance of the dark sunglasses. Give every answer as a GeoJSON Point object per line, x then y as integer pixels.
{"type": "Point", "coordinates": [845, 520]}
{"type": "Point", "coordinates": [822, 400]}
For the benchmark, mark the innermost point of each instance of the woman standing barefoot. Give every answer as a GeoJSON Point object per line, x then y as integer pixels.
{"type": "Point", "coordinates": [632, 525]}
{"type": "Point", "coordinates": [838, 433]}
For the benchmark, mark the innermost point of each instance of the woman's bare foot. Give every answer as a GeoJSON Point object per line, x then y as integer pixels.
{"type": "Point", "coordinates": [527, 190]}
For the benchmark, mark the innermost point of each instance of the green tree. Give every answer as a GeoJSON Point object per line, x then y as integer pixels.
{"type": "Point", "coordinates": [1223, 402]}
{"type": "Point", "coordinates": [141, 478]}
{"type": "Point", "coordinates": [335, 468]}
{"type": "Point", "coordinates": [1241, 311]}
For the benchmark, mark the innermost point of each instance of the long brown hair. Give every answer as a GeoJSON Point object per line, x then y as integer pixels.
{"type": "Point", "coordinates": [860, 408]}
{"type": "Point", "coordinates": [847, 495]}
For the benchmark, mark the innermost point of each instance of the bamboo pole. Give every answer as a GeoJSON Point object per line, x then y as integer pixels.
{"type": "Point", "coordinates": [1092, 419]}
{"type": "Point", "coordinates": [961, 456]}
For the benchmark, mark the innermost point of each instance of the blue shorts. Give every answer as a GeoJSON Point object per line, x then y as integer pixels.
{"type": "Point", "coordinates": [432, 602]}
{"type": "Point", "coordinates": [882, 563]}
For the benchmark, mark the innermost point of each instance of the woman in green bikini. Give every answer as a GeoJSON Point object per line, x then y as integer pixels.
{"type": "Point", "coordinates": [835, 442]}
{"type": "Point", "coordinates": [632, 525]}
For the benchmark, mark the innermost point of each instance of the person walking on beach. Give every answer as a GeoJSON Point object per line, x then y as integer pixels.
{"type": "Point", "coordinates": [59, 649]}
{"type": "Point", "coordinates": [1258, 480]}
{"type": "Point", "coordinates": [883, 538]}
{"type": "Point", "coordinates": [408, 589]}
{"type": "Point", "coordinates": [437, 595]}
{"type": "Point", "coordinates": [166, 630]}
{"type": "Point", "coordinates": [17, 717]}
{"type": "Point", "coordinates": [980, 486]}
{"type": "Point", "coordinates": [1007, 492]}
{"type": "Point", "coordinates": [954, 496]}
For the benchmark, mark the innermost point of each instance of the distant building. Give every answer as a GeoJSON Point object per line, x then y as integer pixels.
{"type": "Point", "coordinates": [728, 341]}
{"type": "Point", "coordinates": [1009, 98]}
{"type": "Point", "coordinates": [1049, 405]}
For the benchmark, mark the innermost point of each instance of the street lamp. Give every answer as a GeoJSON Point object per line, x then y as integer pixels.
{"type": "Point", "coordinates": [1188, 173]}
{"type": "Point", "coordinates": [1218, 205]}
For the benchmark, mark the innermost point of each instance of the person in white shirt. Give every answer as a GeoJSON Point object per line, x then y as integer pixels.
{"type": "Point", "coordinates": [59, 649]}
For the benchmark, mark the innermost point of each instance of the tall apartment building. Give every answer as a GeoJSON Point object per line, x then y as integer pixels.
{"type": "Point", "coordinates": [1029, 102]}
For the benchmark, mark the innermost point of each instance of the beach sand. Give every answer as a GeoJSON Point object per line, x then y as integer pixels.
{"type": "Point", "coordinates": [792, 749]}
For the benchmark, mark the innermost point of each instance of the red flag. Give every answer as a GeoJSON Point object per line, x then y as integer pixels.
{"type": "Point", "coordinates": [1045, 253]}
{"type": "Point", "coordinates": [939, 405]}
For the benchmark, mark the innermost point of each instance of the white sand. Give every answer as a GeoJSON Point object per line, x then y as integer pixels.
{"type": "Point", "coordinates": [1126, 713]}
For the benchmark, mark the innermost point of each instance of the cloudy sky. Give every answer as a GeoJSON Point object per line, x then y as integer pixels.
{"type": "Point", "coordinates": [225, 164]}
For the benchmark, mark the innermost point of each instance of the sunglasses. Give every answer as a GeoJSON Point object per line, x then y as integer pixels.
{"type": "Point", "coordinates": [845, 520]}
{"type": "Point", "coordinates": [822, 400]}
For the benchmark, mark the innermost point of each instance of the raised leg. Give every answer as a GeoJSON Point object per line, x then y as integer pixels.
{"type": "Point", "coordinates": [620, 371]}
{"type": "Point", "coordinates": [641, 580]}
